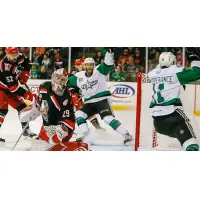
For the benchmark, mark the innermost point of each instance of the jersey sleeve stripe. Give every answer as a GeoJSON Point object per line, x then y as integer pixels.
{"type": "Point", "coordinates": [68, 123]}
{"type": "Point", "coordinates": [43, 90]}
{"type": "Point", "coordinates": [21, 61]}
{"type": "Point", "coordinates": [13, 88]}
{"type": "Point", "coordinates": [55, 102]}
{"type": "Point", "coordinates": [2, 85]}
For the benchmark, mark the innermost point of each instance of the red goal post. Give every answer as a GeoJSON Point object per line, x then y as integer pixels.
{"type": "Point", "coordinates": [141, 79]}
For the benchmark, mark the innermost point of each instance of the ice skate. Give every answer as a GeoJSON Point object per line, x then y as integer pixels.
{"type": "Point", "coordinates": [2, 140]}
{"type": "Point", "coordinates": [128, 139]}
{"type": "Point", "coordinates": [29, 133]}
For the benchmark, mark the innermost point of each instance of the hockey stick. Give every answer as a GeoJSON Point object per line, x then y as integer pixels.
{"type": "Point", "coordinates": [27, 87]}
{"type": "Point", "coordinates": [24, 129]}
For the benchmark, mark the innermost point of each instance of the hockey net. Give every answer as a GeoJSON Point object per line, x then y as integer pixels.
{"type": "Point", "coordinates": [146, 138]}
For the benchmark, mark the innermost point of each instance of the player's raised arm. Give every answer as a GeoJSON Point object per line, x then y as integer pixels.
{"type": "Point", "coordinates": [106, 67]}
{"type": "Point", "coordinates": [190, 75]}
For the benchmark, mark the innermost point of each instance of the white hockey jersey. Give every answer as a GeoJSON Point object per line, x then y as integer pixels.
{"type": "Point", "coordinates": [167, 83]}
{"type": "Point", "coordinates": [94, 88]}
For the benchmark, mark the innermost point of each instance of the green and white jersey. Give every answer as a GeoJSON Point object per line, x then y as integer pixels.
{"type": "Point", "coordinates": [94, 88]}
{"type": "Point", "coordinates": [167, 83]}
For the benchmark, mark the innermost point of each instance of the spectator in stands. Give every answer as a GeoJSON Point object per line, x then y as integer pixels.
{"type": "Point", "coordinates": [151, 65]}
{"type": "Point", "coordinates": [25, 51]}
{"type": "Point", "coordinates": [46, 61]}
{"type": "Point", "coordinates": [152, 52]}
{"type": "Point", "coordinates": [131, 70]}
{"type": "Point", "coordinates": [138, 59]}
{"type": "Point", "coordinates": [37, 58]}
{"type": "Point", "coordinates": [122, 64]}
{"type": "Point", "coordinates": [131, 51]}
{"type": "Point", "coordinates": [41, 50]}
{"type": "Point", "coordinates": [43, 73]}
{"type": "Point", "coordinates": [98, 58]}
{"type": "Point", "coordinates": [2, 53]}
{"type": "Point", "coordinates": [179, 57]}
{"type": "Point", "coordinates": [118, 75]}
{"type": "Point", "coordinates": [34, 71]}
{"type": "Point", "coordinates": [124, 56]}
{"type": "Point", "coordinates": [57, 57]}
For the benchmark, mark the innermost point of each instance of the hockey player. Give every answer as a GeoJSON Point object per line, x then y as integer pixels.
{"type": "Point", "coordinates": [77, 96]}
{"type": "Point", "coordinates": [168, 115]}
{"type": "Point", "coordinates": [93, 85]}
{"type": "Point", "coordinates": [56, 107]}
{"type": "Point", "coordinates": [14, 69]}
{"type": "Point", "coordinates": [54, 103]}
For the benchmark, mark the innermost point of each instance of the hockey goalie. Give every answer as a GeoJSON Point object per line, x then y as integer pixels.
{"type": "Point", "coordinates": [54, 103]}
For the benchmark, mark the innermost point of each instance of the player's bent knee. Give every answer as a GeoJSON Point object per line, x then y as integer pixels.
{"type": "Point", "coordinates": [80, 121]}
{"type": "Point", "coordinates": [80, 117]}
{"type": "Point", "coordinates": [81, 114]}
{"type": "Point", "coordinates": [111, 121]}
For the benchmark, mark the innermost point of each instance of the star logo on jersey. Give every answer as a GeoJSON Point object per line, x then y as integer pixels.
{"type": "Point", "coordinates": [89, 85]}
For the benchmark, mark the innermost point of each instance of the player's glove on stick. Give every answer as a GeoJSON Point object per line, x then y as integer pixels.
{"type": "Point", "coordinates": [23, 78]}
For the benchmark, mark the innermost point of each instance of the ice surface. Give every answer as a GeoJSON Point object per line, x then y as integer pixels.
{"type": "Point", "coordinates": [104, 141]}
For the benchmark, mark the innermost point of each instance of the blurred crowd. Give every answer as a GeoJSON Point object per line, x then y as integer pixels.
{"type": "Point", "coordinates": [128, 60]}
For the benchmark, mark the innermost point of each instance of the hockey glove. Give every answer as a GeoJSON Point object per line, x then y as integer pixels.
{"type": "Point", "coordinates": [109, 58]}
{"type": "Point", "coordinates": [29, 96]}
{"type": "Point", "coordinates": [24, 76]}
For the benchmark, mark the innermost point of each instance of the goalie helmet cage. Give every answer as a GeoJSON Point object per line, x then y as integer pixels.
{"type": "Point", "coordinates": [146, 137]}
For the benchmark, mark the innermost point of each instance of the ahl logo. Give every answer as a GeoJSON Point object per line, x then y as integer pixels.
{"type": "Point", "coordinates": [122, 91]}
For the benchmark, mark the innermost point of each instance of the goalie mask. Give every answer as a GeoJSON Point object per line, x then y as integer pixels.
{"type": "Point", "coordinates": [89, 65]}
{"type": "Point", "coordinates": [167, 59]}
{"type": "Point", "coordinates": [59, 79]}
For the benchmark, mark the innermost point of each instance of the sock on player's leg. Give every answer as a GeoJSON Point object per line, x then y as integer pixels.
{"type": "Point", "coordinates": [117, 126]}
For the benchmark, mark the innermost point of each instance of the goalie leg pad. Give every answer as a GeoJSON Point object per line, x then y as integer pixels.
{"type": "Point", "coordinates": [70, 146]}
{"type": "Point", "coordinates": [49, 135]}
